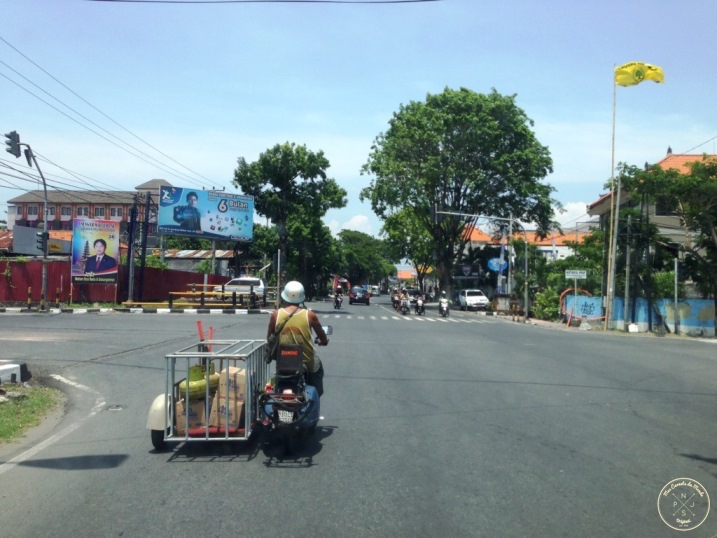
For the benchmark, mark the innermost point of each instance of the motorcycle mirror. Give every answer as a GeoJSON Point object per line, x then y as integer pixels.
{"type": "Point", "coordinates": [328, 329]}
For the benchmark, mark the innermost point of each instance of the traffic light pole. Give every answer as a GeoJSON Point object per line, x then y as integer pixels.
{"type": "Point", "coordinates": [13, 147]}
{"type": "Point", "coordinates": [30, 155]}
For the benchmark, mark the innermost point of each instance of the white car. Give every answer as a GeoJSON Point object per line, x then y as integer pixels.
{"type": "Point", "coordinates": [473, 300]}
{"type": "Point", "coordinates": [242, 285]}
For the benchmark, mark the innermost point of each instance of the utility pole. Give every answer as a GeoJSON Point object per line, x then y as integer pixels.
{"type": "Point", "coordinates": [130, 250]}
{"type": "Point", "coordinates": [145, 231]}
{"type": "Point", "coordinates": [627, 274]}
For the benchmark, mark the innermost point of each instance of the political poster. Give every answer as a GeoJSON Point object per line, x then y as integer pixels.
{"type": "Point", "coordinates": [95, 251]}
{"type": "Point", "coordinates": [205, 214]}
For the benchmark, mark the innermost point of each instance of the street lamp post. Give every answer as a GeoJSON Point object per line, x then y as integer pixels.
{"type": "Point", "coordinates": [475, 216]}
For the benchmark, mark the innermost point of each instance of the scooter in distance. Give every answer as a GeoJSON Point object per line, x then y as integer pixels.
{"type": "Point", "coordinates": [338, 299]}
{"type": "Point", "coordinates": [443, 307]}
{"type": "Point", "coordinates": [420, 309]}
{"type": "Point", "coordinates": [405, 306]}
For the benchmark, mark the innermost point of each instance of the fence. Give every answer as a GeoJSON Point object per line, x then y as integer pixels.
{"type": "Point", "coordinates": [21, 282]}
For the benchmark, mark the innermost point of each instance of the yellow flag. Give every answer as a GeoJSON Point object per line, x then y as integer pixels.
{"type": "Point", "coordinates": [635, 72]}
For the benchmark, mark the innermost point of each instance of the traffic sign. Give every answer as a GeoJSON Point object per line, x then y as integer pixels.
{"type": "Point", "coordinates": [495, 265]}
{"type": "Point", "coordinates": [575, 274]}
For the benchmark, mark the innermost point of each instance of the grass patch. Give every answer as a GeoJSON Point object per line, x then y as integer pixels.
{"type": "Point", "coordinates": [26, 409]}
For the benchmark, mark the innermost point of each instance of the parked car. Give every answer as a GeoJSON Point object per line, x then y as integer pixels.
{"type": "Point", "coordinates": [357, 294]}
{"type": "Point", "coordinates": [242, 285]}
{"type": "Point", "coordinates": [473, 300]}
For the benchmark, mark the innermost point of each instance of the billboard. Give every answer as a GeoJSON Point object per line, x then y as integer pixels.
{"type": "Point", "coordinates": [95, 251]}
{"type": "Point", "coordinates": [205, 214]}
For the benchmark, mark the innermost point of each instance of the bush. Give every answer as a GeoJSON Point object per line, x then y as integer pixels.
{"type": "Point", "coordinates": [546, 305]}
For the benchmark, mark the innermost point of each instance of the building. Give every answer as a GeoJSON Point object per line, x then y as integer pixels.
{"type": "Point", "coordinates": [554, 246]}
{"type": "Point", "coordinates": [667, 222]}
{"type": "Point", "coordinates": [28, 209]}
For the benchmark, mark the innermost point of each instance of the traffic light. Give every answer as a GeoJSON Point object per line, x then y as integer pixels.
{"type": "Point", "coordinates": [42, 238]}
{"type": "Point", "coordinates": [13, 143]}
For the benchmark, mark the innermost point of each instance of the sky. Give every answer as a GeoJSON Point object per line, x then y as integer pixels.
{"type": "Point", "coordinates": [112, 94]}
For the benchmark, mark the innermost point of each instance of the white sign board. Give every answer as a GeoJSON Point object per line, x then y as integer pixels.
{"type": "Point", "coordinates": [576, 274]}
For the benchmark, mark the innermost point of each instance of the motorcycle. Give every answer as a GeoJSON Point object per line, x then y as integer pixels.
{"type": "Point", "coordinates": [289, 407]}
{"type": "Point", "coordinates": [443, 307]}
{"type": "Point", "coordinates": [420, 309]}
{"type": "Point", "coordinates": [396, 299]}
{"type": "Point", "coordinates": [338, 299]}
{"type": "Point", "coordinates": [405, 306]}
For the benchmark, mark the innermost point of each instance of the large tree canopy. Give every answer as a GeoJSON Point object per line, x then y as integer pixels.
{"type": "Point", "coordinates": [364, 260]}
{"type": "Point", "coordinates": [287, 177]}
{"type": "Point", "coordinates": [463, 152]}
{"type": "Point", "coordinates": [290, 186]}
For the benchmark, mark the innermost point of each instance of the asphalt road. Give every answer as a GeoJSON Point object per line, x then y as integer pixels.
{"type": "Point", "coordinates": [470, 426]}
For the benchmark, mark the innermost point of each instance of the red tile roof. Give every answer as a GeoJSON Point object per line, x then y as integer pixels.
{"type": "Point", "coordinates": [478, 236]}
{"type": "Point", "coordinates": [679, 162]}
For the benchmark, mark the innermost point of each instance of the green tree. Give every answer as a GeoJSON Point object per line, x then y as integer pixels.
{"type": "Point", "coordinates": [463, 152]}
{"type": "Point", "coordinates": [693, 197]}
{"type": "Point", "coordinates": [407, 237]}
{"type": "Point", "coordinates": [285, 178]}
{"type": "Point", "coordinates": [290, 186]}
{"type": "Point", "coordinates": [364, 262]}
{"type": "Point", "coordinates": [312, 252]}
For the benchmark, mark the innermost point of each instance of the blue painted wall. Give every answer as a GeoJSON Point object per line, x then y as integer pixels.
{"type": "Point", "coordinates": [696, 316]}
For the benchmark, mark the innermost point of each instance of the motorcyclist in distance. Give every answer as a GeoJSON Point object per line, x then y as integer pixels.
{"type": "Point", "coordinates": [443, 303]}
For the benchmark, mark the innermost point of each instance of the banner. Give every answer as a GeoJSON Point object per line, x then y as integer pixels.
{"type": "Point", "coordinates": [205, 214]}
{"type": "Point", "coordinates": [95, 251]}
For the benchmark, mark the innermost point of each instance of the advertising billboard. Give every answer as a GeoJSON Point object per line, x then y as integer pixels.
{"type": "Point", "coordinates": [205, 214]}
{"type": "Point", "coordinates": [95, 251]}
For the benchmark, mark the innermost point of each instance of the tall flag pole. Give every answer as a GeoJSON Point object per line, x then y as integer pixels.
{"type": "Point", "coordinates": [629, 74]}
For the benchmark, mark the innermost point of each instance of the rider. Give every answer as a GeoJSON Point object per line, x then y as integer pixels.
{"type": "Point", "coordinates": [419, 295]}
{"type": "Point", "coordinates": [444, 297]}
{"type": "Point", "coordinates": [297, 330]}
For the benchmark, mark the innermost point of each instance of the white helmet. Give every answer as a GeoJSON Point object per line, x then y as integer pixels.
{"type": "Point", "coordinates": [293, 292]}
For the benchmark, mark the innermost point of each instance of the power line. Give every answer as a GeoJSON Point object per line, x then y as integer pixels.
{"type": "Point", "coordinates": [266, 1]}
{"type": "Point", "coordinates": [166, 168]}
{"type": "Point", "coordinates": [698, 145]}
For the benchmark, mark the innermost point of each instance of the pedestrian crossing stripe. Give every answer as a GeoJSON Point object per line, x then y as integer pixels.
{"type": "Point", "coordinates": [419, 319]}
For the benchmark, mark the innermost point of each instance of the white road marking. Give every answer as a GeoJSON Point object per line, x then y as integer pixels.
{"type": "Point", "coordinates": [99, 404]}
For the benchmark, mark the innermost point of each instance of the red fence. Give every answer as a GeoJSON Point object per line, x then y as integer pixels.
{"type": "Point", "coordinates": [21, 282]}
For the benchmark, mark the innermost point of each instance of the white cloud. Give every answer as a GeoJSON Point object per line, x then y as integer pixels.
{"type": "Point", "coordinates": [573, 212]}
{"type": "Point", "coordinates": [358, 223]}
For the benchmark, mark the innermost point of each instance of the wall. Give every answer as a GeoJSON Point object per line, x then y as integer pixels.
{"type": "Point", "coordinates": [696, 316]}
{"type": "Point", "coordinates": [17, 277]}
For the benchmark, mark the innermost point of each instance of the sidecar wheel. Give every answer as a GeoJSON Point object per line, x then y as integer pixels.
{"type": "Point", "coordinates": [158, 441]}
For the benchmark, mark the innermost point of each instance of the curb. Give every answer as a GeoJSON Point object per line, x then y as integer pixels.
{"type": "Point", "coordinates": [14, 372]}
{"type": "Point", "coordinates": [138, 310]}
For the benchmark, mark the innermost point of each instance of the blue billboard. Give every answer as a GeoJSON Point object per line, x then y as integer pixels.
{"type": "Point", "coordinates": [205, 214]}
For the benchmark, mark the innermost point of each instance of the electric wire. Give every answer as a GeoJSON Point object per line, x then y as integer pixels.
{"type": "Point", "coordinates": [168, 169]}
{"type": "Point", "coordinates": [265, 1]}
{"type": "Point", "coordinates": [94, 107]}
